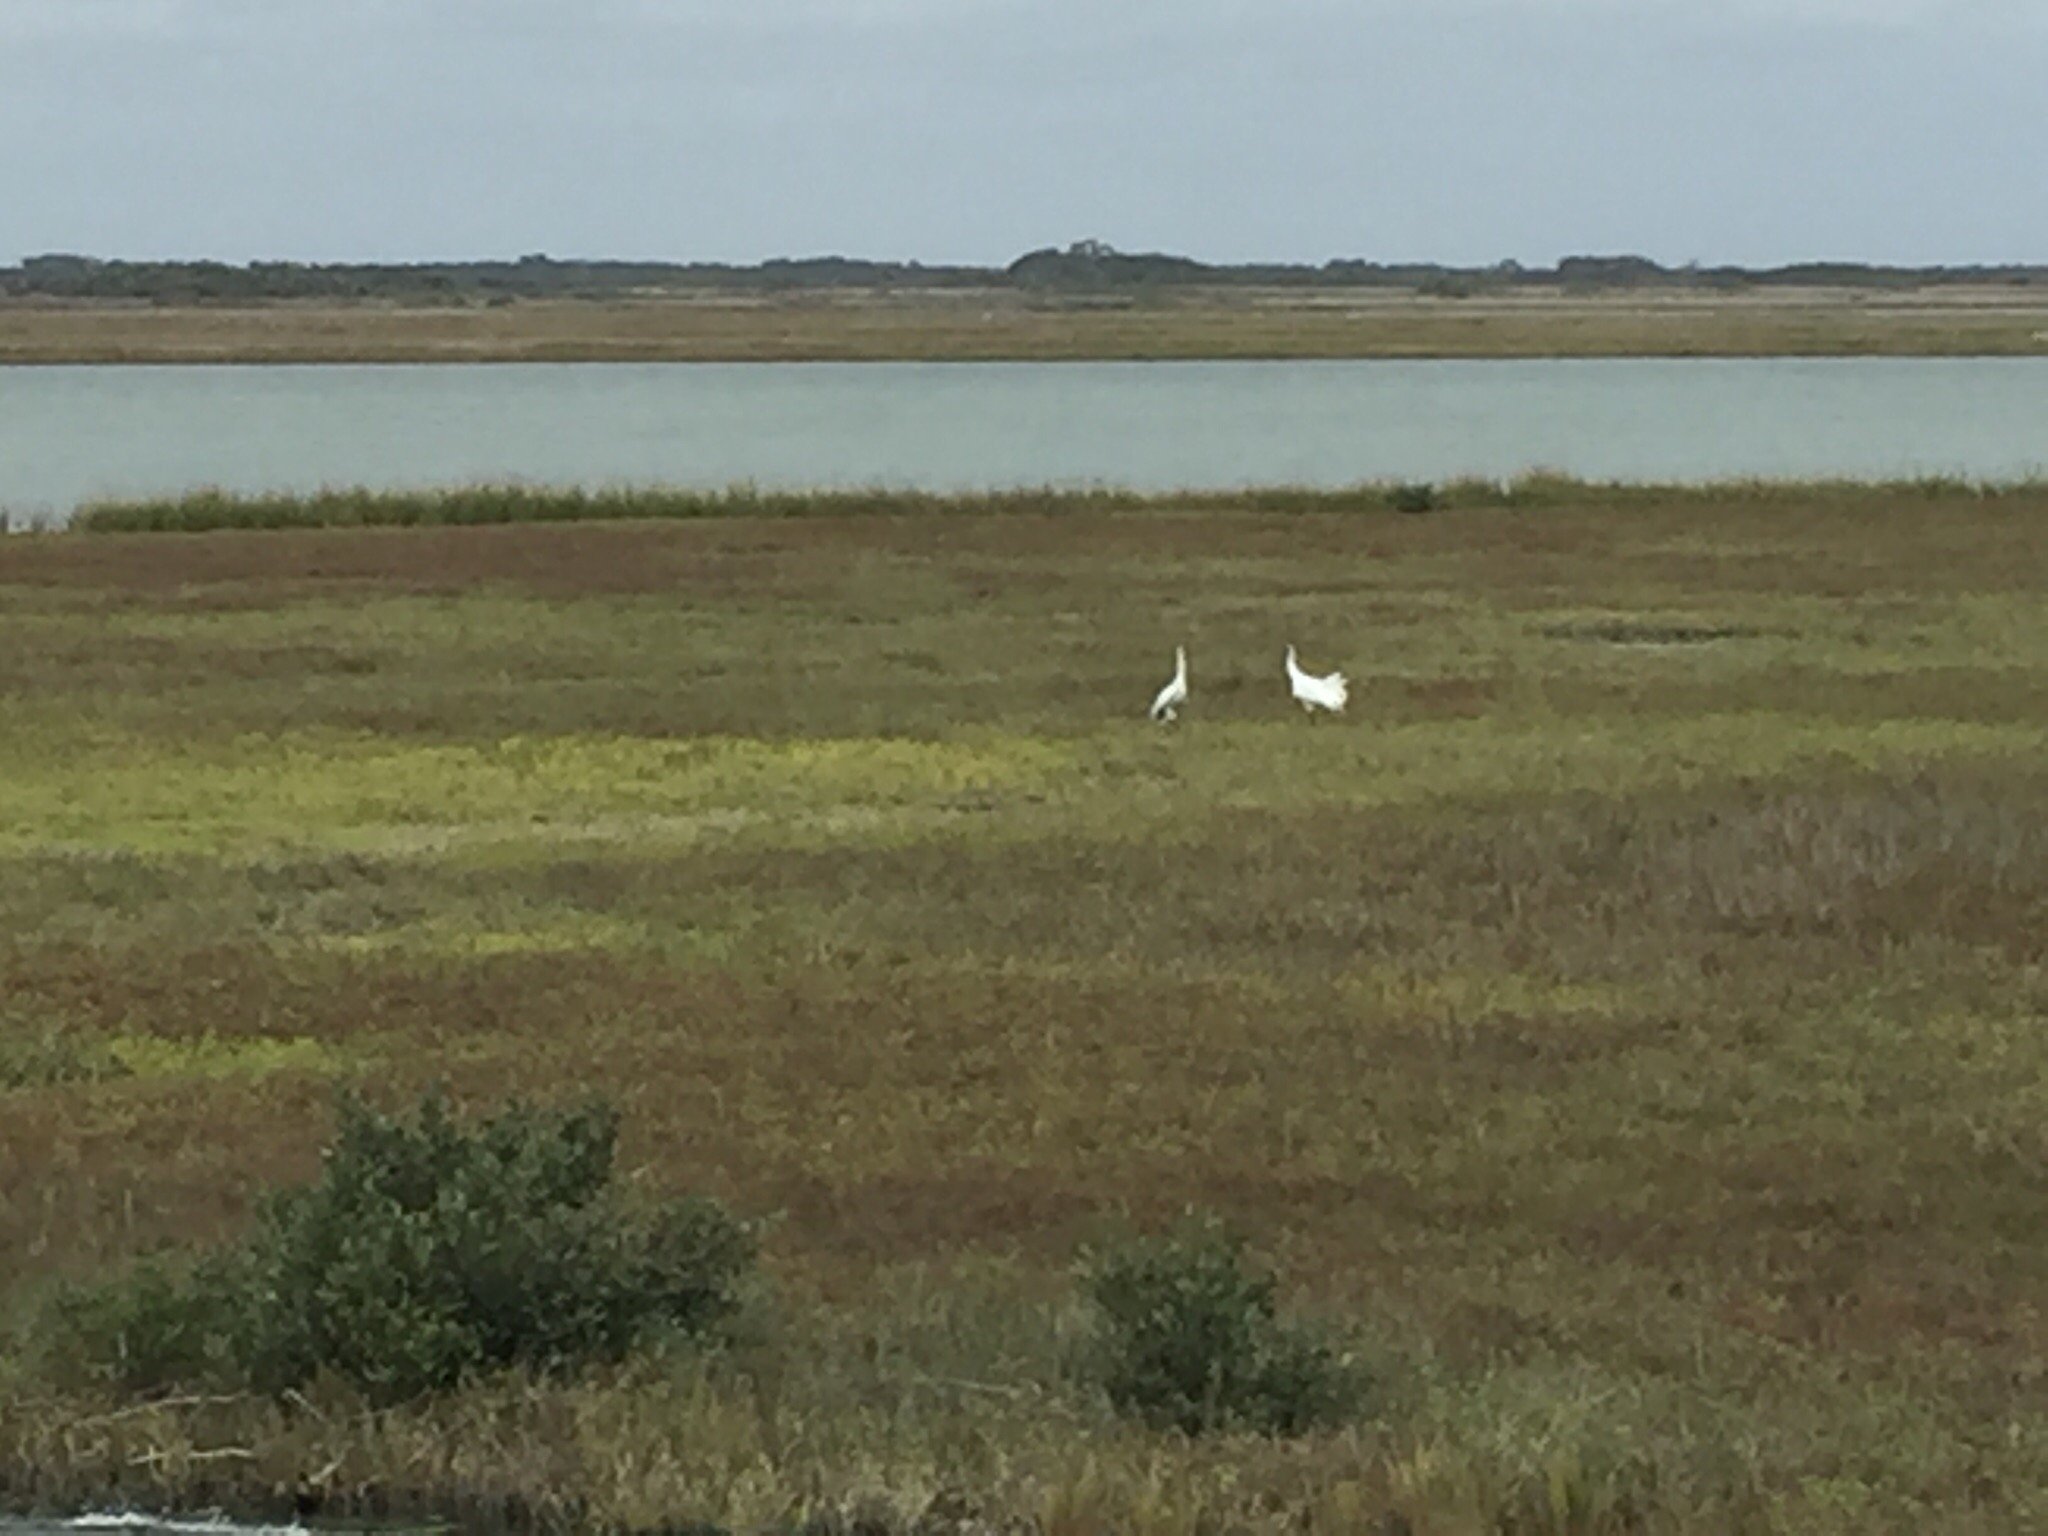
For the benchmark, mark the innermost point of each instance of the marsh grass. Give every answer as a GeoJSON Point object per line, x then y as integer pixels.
{"type": "Point", "coordinates": [477, 505]}
{"type": "Point", "coordinates": [44, 1056]}
{"type": "Point", "coordinates": [1634, 1048]}
{"type": "Point", "coordinates": [1003, 324]}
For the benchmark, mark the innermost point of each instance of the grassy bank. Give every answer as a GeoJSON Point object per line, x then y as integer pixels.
{"type": "Point", "coordinates": [1623, 1026]}
{"type": "Point", "coordinates": [1005, 325]}
{"type": "Point", "coordinates": [472, 505]}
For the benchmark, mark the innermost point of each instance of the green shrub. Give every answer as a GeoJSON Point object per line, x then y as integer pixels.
{"type": "Point", "coordinates": [155, 1325]}
{"type": "Point", "coordinates": [427, 1252]}
{"type": "Point", "coordinates": [1448, 286]}
{"type": "Point", "coordinates": [1188, 1335]}
{"type": "Point", "coordinates": [1414, 496]}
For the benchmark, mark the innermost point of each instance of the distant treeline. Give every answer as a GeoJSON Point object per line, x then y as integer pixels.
{"type": "Point", "coordinates": [1085, 267]}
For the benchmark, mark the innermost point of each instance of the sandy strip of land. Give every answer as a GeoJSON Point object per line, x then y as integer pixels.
{"type": "Point", "coordinates": [994, 325]}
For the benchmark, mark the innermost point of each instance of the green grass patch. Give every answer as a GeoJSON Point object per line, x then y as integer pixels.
{"type": "Point", "coordinates": [151, 1058]}
{"type": "Point", "coordinates": [364, 794]}
{"type": "Point", "coordinates": [36, 1056]}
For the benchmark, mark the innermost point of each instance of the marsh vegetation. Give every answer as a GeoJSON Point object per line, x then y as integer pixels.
{"type": "Point", "coordinates": [1998, 318]}
{"type": "Point", "coordinates": [213, 509]}
{"type": "Point", "coordinates": [1617, 1042]}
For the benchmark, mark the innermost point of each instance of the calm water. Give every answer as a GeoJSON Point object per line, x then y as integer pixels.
{"type": "Point", "coordinates": [70, 434]}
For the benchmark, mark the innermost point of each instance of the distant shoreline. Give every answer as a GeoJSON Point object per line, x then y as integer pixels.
{"type": "Point", "coordinates": [1005, 325]}
{"type": "Point", "coordinates": [487, 505]}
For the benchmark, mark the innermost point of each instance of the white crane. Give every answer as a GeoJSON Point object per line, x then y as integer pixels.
{"type": "Point", "coordinates": [1314, 693]}
{"type": "Point", "coordinates": [1167, 705]}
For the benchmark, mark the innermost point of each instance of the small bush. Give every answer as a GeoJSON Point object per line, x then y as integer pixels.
{"type": "Point", "coordinates": [425, 1253]}
{"type": "Point", "coordinates": [1188, 1336]}
{"type": "Point", "coordinates": [1414, 496]}
{"type": "Point", "coordinates": [1447, 286]}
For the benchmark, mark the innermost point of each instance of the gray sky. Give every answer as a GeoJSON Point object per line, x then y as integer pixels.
{"type": "Point", "coordinates": [1753, 131]}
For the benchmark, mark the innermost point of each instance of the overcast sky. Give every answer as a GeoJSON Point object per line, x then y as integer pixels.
{"type": "Point", "coordinates": [1752, 131]}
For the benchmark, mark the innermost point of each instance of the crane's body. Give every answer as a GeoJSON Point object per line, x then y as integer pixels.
{"type": "Point", "coordinates": [1313, 693]}
{"type": "Point", "coordinates": [1166, 706]}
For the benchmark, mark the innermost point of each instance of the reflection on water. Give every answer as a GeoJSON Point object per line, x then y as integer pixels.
{"type": "Point", "coordinates": [69, 434]}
